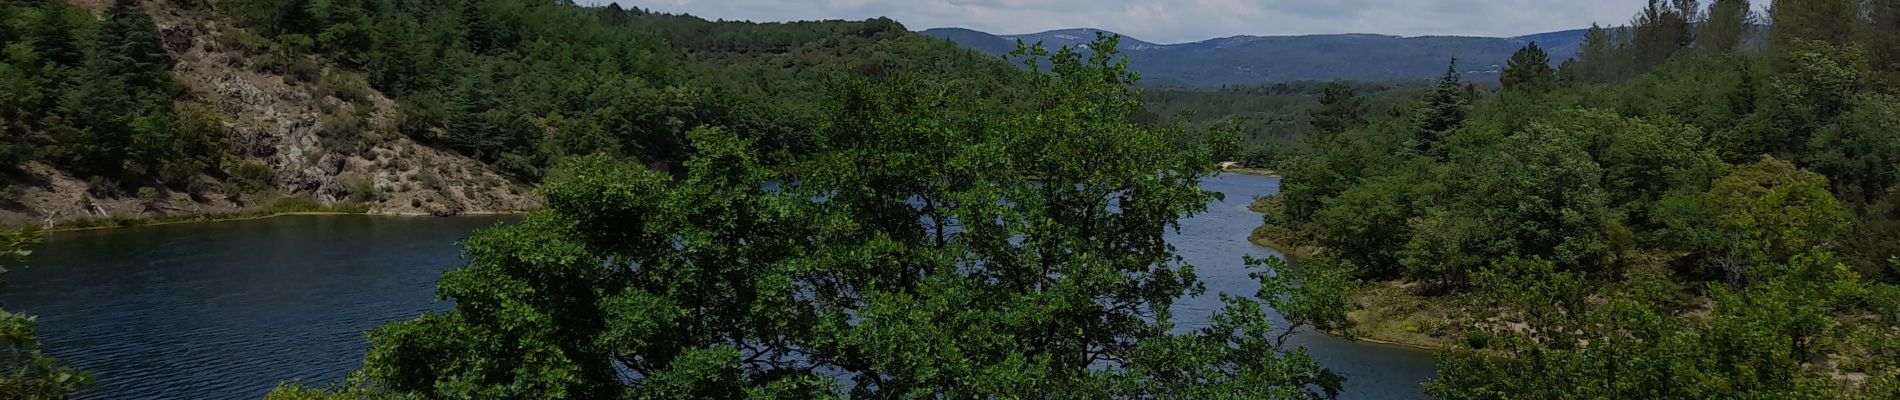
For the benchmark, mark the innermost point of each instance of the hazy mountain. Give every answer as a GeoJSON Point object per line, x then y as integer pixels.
{"type": "Point", "coordinates": [1243, 60]}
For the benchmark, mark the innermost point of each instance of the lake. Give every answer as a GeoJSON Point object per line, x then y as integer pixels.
{"type": "Point", "coordinates": [227, 310]}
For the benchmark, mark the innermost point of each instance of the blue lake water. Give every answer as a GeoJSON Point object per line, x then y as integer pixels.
{"type": "Point", "coordinates": [228, 310]}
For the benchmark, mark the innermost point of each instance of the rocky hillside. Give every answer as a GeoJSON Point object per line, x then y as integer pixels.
{"type": "Point", "coordinates": [318, 134]}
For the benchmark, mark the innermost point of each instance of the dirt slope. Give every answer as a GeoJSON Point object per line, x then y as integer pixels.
{"type": "Point", "coordinates": [313, 143]}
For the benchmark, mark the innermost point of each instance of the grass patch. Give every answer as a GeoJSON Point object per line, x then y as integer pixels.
{"type": "Point", "coordinates": [278, 205]}
{"type": "Point", "coordinates": [1394, 314]}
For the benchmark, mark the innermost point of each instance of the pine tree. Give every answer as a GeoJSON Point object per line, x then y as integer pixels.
{"type": "Point", "coordinates": [295, 17]}
{"type": "Point", "coordinates": [1341, 109]}
{"type": "Point", "coordinates": [52, 36]}
{"type": "Point", "coordinates": [1664, 28]}
{"type": "Point", "coordinates": [1529, 70]}
{"type": "Point", "coordinates": [1447, 105]}
{"type": "Point", "coordinates": [1831, 21]}
{"type": "Point", "coordinates": [1883, 40]}
{"type": "Point", "coordinates": [1601, 59]}
{"type": "Point", "coordinates": [1729, 24]}
{"type": "Point", "coordinates": [130, 48]}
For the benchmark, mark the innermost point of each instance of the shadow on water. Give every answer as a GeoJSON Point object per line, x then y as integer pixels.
{"type": "Point", "coordinates": [228, 310]}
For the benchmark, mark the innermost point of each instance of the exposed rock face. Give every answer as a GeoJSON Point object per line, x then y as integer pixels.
{"type": "Point", "coordinates": [279, 122]}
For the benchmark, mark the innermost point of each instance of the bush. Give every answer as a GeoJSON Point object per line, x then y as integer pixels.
{"type": "Point", "coordinates": [102, 186]}
{"type": "Point", "coordinates": [13, 198]}
{"type": "Point", "coordinates": [303, 69]}
{"type": "Point", "coordinates": [150, 195]}
{"type": "Point", "coordinates": [343, 131]}
{"type": "Point", "coordinates": [252, 177]}
{"type": "Point", "coordinates": [344, 86]}
{"type": "Point", "coordinates": [294, 203]}
{"type": "Point", "coordinates": [361, 191]}
{"type": "Point", "coordinates": [241, 41]}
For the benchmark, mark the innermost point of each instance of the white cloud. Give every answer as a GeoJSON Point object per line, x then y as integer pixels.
{"type": "Point", "coordinates": [1173, 21]}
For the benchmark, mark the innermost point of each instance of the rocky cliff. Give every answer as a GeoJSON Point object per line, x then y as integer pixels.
{"type": "Point", "coordinates": [322, 135]}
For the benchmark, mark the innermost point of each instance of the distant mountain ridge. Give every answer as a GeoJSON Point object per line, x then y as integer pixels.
{"type": "Point", "coordinates": [1248, 60]}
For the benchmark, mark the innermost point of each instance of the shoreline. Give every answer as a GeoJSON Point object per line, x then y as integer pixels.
{"type": "Point", "coordinates": [1387, 314]}
{"type": "Point", "coordinates": [1366, 290]}
{"type": "Point", "coordinates": [1252, 171]}
{"type": "Point", "coordinates": [234, 217]}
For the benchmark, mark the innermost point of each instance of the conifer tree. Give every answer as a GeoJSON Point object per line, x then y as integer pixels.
{"type": "Point", "coordinates": [1446, 106]}
{"type": "Point", "coordinates": [1729, 24]}
{"type": "Point", "coordinates": [1601, 58]}
{"type": "Point", "coordinates": [52, 36]}
{"type": "Point", "coordinates": [1340, 109]}
{"type": "Point", "coordinates": [1529, 70]}
{"type": "Point", "coordinates": [1832, 21]}
{"type": "Point", "coordinates": [1664, 28]}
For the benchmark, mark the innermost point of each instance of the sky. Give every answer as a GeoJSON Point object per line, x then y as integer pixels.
{"type": "Point", "coordinates": [1178, 21]}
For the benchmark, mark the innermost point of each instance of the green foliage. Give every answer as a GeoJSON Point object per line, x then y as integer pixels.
{"type": "Point", "coordinates": [1759, 341]}
{"type": "Point", "coordinates": [1729, 25]}
{"type": "Point", "coordinates": [492, 78]}
{"type": "Point", "coordinates": [1662, 29]}
{"type": "Point", "coordinates": [1446, 106]}
{"type": "Point", "coordinates": [1341, 109]}
{"type": "Point", "coordinates": [1828, 21]}
{"type": "Point", "coordinates": [97, 98]}
{"type": "Point", "coordinates": [919, 217]}
{"type": "Point", "coordinates": [1662, 226]}
{"type": "Point", "coordinates": [1762, 213]}
{"type": "Point", "coordinates": [1605, 56]}
{"type": "Point", "coordinates": [1529, 70]}
{"type": "Point", "coordinates": [1272, 120]}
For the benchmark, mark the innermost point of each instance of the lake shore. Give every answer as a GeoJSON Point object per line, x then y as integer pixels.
{"type": "Point", "coordinates": [1253, 171]}
{"type": "Point", "coordinates": [1390, 313]}
{"type": "Point", "coordinates": [109, 223]}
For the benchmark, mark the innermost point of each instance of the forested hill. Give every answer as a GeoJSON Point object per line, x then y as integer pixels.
{"type": "Point", "coordinates": [1247, 60]}
{"type": "Point", "coordinates": [125, 109]}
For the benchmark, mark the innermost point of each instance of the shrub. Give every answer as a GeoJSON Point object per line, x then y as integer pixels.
{"type": "Point", "coordinates": [303, 69]}
{"type": "Point", "coordinates": [13, 198]}
{"type": "Point", "coordinates": [252, 177]}
{"type": "Point", "coordinates": [361, 191]}
{"type": "Point", "coordinates": [344, 86]}
{"type": "Point", "coordinates": [343, 131]}
{"type": "Point", "coordinates": [294, 203]}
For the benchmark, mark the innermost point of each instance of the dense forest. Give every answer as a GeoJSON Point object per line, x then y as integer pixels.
{"type": "Point", "coordinates": [1667, 216]}
{"type": "Point", "coordinates": [96, 97]}
{"type": "Point", "coordinates": [94, 94]}
{"type": "Point", "coordinates": [1271, 119]}
{"type": "Point", "coordinates": [843, 209]}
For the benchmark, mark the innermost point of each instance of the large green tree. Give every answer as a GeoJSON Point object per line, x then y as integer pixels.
{"type": "Point", "coordinates": [1446, 105]}
{"type": "Point", "coordinates": [1662, 29]}
{"type": "Point", "coordinates": [1836, 22]}
{"type": "Point", "coordinates": [1529, 70]}
{"type": "Point", "coordinates": [928, 248]}
{"type": "Point", "coordinates": [1730, 23]}
{"type": "Point", "coordinates": [1341, 109]}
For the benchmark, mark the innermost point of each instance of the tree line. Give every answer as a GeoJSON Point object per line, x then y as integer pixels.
{"type": "Point", "coordinates": [1673, 214]}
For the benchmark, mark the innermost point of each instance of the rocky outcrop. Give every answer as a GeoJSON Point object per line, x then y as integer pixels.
{"type": "Point", "coordinates": [312, 142]}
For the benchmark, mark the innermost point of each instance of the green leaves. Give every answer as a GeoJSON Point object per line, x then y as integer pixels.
{"type": "Point", "coordinates": [1529, 70]}
{"type": "Point", "coordinates": [917, 252]}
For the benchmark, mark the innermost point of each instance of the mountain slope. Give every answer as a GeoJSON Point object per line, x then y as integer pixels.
{"type": "Point", "coordinates": [1245, 60]}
